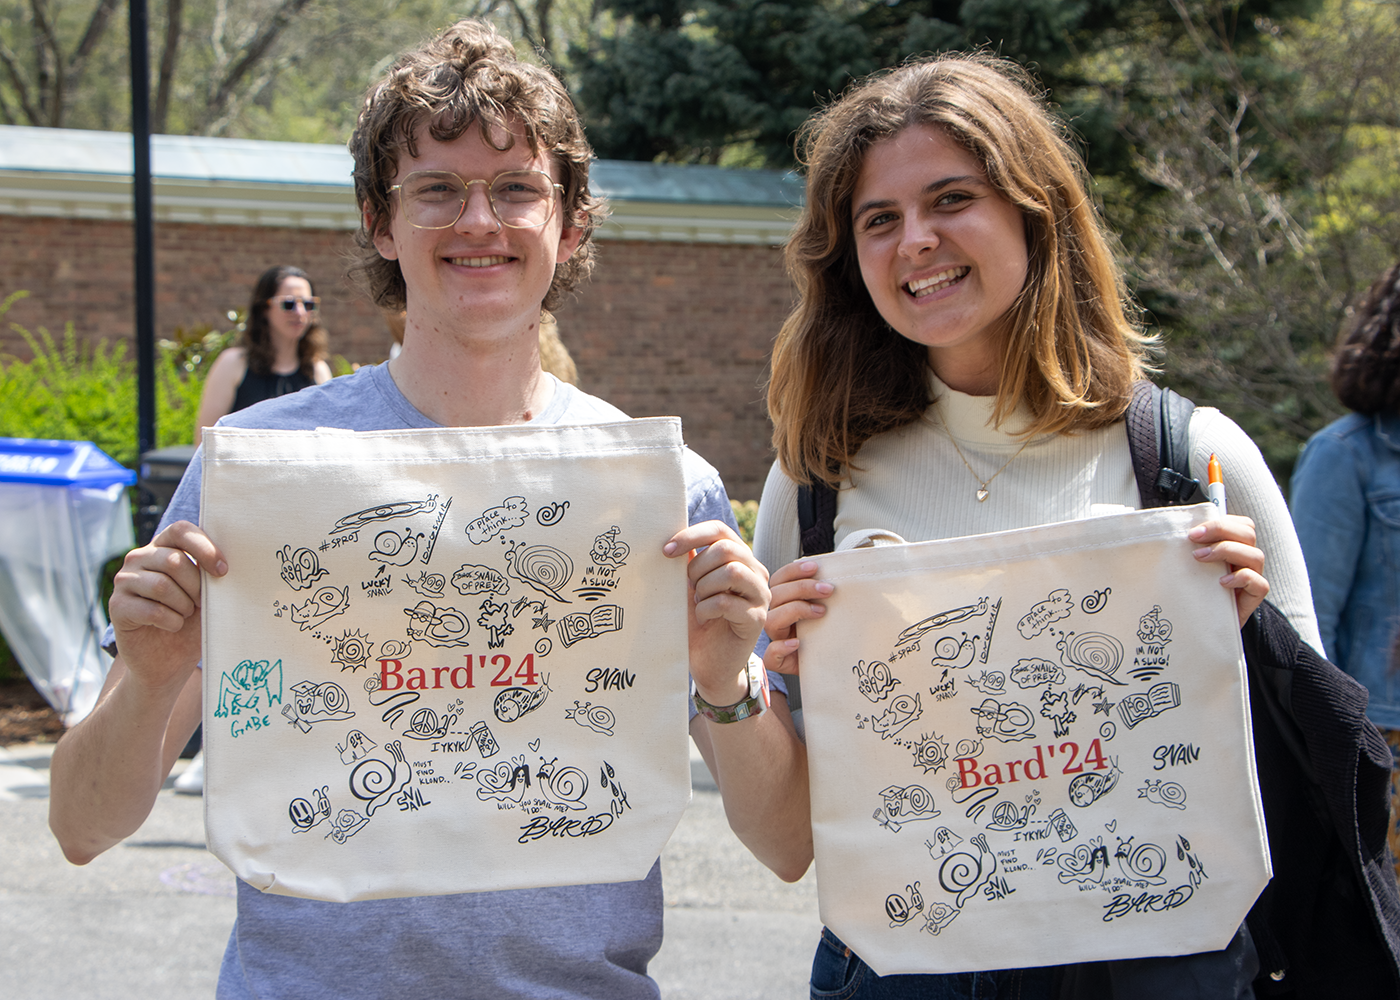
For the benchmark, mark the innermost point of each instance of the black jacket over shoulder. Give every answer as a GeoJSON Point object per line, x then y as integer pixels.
{"type": "Point", "coordinates": [1328, 923]}
{"type": "Point", "coordinates": [1327, 926]}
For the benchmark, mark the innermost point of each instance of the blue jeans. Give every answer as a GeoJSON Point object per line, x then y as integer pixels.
{"type": "Point", "coordinates": [839, 974]}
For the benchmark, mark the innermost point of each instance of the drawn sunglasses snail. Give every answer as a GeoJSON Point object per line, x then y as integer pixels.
{"type": "Point", "coordinates": [437, 626]}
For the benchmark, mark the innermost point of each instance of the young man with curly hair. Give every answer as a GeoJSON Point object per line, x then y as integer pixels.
{"type": "Point", "coordinates": [471, 170]}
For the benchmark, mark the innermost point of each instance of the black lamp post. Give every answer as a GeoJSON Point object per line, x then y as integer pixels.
{"type": "Point", "coordinates": [144, 230]}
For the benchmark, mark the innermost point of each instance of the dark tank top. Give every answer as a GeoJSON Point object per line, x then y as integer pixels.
{"type": "Point", "coordinates": [255, 388]}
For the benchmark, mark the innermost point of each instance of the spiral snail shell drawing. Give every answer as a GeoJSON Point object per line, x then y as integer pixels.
{"type": "Point", "coordinates": [598, 718]}
{"type": "Point", "coordinates": [542, 567]}
{"type": "Point", "coordinates": [551, 514]}
{"type": "Point", "coordinates": [1165, 793]}
{"type": "Point", "coordinates": [514, 703]}
{"type": "Point", "coordinates": [565, 786]}
{"type": "Point", "coordinates": [1143, 863]}
{"type": "Point", "coordinates": [1092, 604]}
{"type": "Point", "coordinates": [1095, 653]}
{"type": "Point", "coordinates": [949, 651]}
{"type": "Point", "coordinates": [300, 569]}
{"type": "Point", "coordinates": [376, 781]}
{"type": "Point", "coordinates": [963, 873]}
{"type": "Point", "coordinates": [392, 550]}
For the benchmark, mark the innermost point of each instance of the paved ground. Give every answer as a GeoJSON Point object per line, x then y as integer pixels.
{"type": "Point", "coordinates": [149, 919]}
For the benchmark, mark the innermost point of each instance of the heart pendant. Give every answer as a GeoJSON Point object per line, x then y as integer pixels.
{"type": "Point", "coordinates": [982, 495]}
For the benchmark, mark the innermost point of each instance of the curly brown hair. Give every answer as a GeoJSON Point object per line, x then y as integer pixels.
{"type": "Point", "coordinates": [1366, 370]}
{"type": "Point", "coordinates": [256, 340]}
{"type": "Point", "coordinates": [467, 76]}
{"type": "Point", "coordinates": [841, 375]}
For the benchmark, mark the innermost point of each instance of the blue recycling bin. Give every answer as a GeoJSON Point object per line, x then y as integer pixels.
{"type": "Point", "coordinates": [64, 512]}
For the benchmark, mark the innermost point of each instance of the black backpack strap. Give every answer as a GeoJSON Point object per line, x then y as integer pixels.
{"type": "Point", "coordinates": [816, 516]}
{"type": "Point", "coordinates": [1159, 427]}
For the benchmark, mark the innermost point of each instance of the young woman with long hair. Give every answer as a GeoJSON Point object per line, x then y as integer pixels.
{"type": "Point", "coordinates": [960, 361]}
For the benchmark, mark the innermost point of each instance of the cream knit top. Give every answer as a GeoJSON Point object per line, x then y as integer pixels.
{"type": "Point", "coordinates": [912, 482]}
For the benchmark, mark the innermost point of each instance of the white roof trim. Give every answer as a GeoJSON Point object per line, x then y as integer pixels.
{"type": "Point", "coordinates": [309, 206]}
{"type": "Point", "coordinates": [71, 174]}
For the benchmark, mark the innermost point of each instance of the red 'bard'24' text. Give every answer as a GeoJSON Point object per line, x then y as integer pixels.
{"type": "Point", "coordinates": [393, 676]}
{"type": "Point", "coordinates": [971, 773]}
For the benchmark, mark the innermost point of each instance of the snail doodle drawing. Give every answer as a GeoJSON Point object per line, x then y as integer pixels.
{"type": "Point", "coordinates": [376, 781]}
{"type": "Point", "coordinates": [542, 567]}
{"type": "Point", "coordinates": [393, 550]}
{"type": "Point", "coordinates": [1095, 653]}
{"type": "Point", "coordinates": [950, 651]}
{"type": "Point", "coordinates": [1166, 793]}
{"type": "Point", "coordinates": [427, 584]}
{"type": "Point", "coordinates": [598, 718]}
{"type": "Point", "coordinates": [437, 626]}
{"type": "Point", "coordinates": [551, 514]}
{"type": "Point", "coordinates": [300, 569]}
{"type": "Point", "coordinates": [910, 640]}
{"type": "Point", "coordinates": [325, 603]}
{"type": "Point", "coordinates": [518, 702]}
{"type": "Point", "coordinates": [312, 703]}
{"type": "Point", "coordinates": [384, 512]}
{"type": "Point", "coordinates": [876, 680]}
{"type": "Point", "coordinates": [905, 805]}
{"type": "Point", "coordinates": [903, 709]}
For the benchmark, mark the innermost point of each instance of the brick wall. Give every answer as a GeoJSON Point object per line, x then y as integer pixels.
{"type": "Point", "coordinates": [685, 329]}
{"type": "Point", "coordinates": [663, 328]}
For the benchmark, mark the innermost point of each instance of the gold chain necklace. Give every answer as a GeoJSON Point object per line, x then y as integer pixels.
{"type": "Point", "coordinates": [982, 484]}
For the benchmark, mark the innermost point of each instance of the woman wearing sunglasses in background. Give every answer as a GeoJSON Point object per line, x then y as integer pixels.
{"type": "Point", "coordinates": [283, 349]}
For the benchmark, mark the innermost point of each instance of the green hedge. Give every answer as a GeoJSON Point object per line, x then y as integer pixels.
{"type": "Point", "coordinates": [79, 391]}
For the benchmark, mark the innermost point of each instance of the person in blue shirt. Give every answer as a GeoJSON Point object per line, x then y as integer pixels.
{"type": "Point", "coordinates": [1346, 507]}
{"type": "Point", "coordinates": [471, 170]}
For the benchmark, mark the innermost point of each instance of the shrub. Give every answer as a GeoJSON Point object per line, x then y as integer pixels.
{"type": "Point", "coordinates": [76, 390]}
{"type": "Point", "coordinates": [746, 513]}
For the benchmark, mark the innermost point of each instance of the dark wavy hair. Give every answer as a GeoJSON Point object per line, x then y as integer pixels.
{"type": "Point", "coordinates": [257, 336]}
{"type": "Point", "coordinates": [467, 76]}
{"type": "Point", "coordinates": [1366, 370]}
{"type": "Point", "coordinates": [1070, 349]}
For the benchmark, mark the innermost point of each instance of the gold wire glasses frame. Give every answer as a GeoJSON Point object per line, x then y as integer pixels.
{"type": "Point", "coordinates": [436, 199]}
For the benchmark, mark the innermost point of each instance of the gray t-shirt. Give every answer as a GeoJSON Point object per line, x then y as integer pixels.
{"type": "Point", "coordinates": [585, 941]}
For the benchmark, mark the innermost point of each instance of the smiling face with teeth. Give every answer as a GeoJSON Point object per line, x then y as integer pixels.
{"type": "Point", "coordinates": [477, 274]}
{"type": "Point", "coordinates": [942, 253]}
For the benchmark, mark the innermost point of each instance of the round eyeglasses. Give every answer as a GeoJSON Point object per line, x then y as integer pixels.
{"type": "Point", "coordinates": [436, 199]}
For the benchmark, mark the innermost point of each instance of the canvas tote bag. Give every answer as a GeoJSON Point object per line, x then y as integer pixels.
{"type": "Point", "coordinates": [1031, 748]}
{"type": "Point", "coordinates": [444, 660]}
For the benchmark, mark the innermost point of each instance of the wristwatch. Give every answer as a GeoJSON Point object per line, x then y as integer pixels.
{"type": "Point", "coordinates": [755, 704]}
